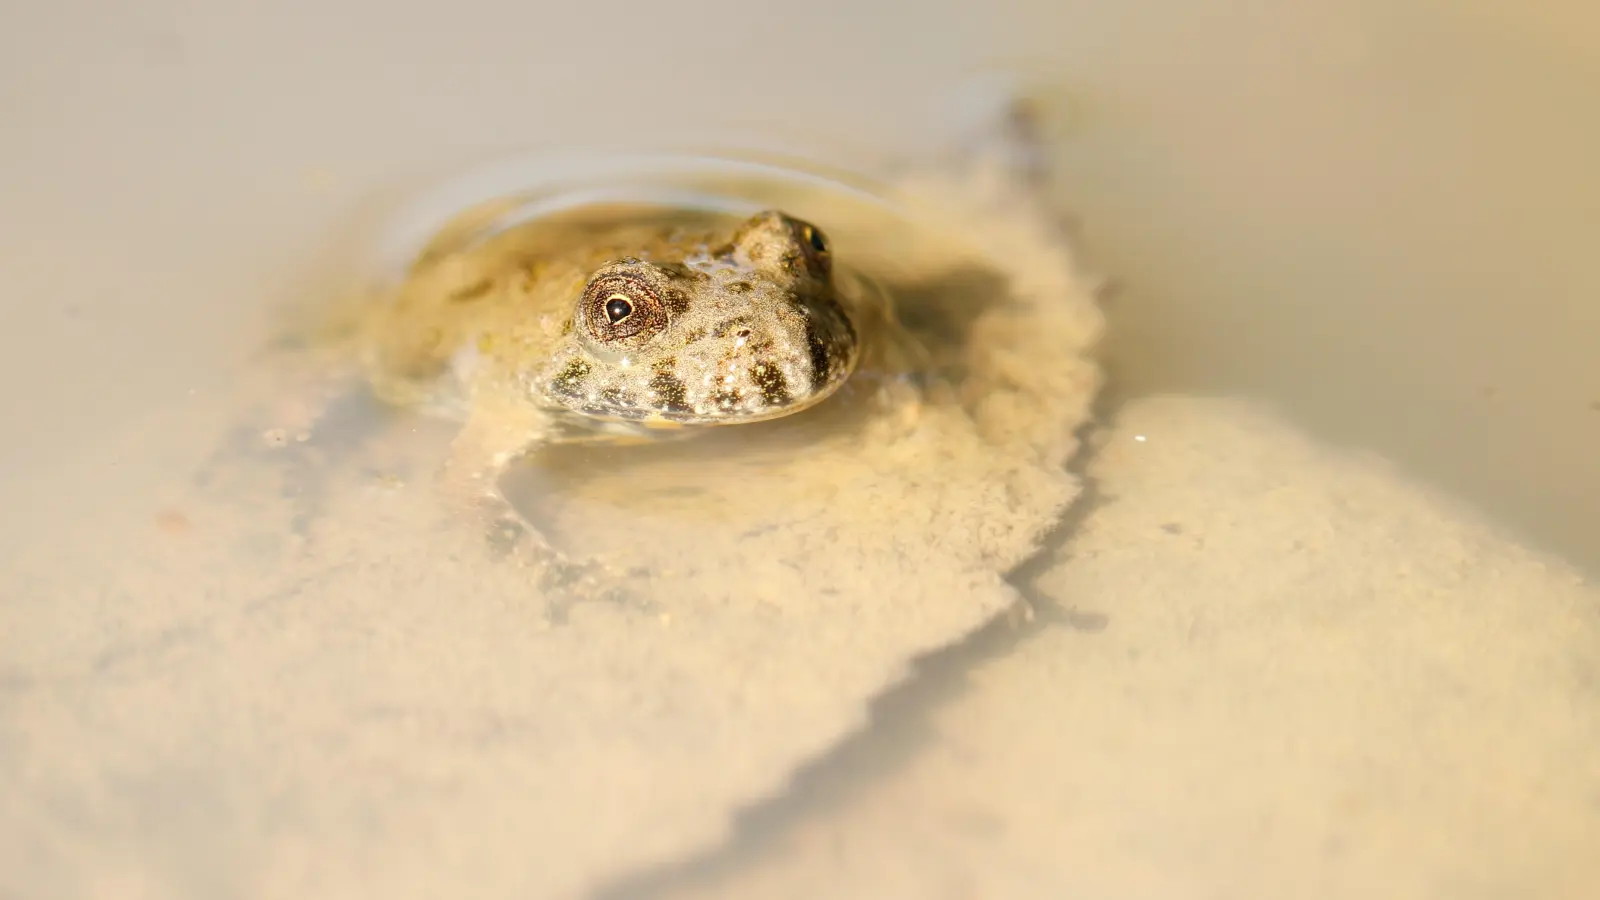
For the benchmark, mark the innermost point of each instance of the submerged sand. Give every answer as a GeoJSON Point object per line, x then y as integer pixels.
{"type": "Point", "coordinates": [1303, 676]}
{"type": "Point", "coordinates": [1255, 666]}
{"type": "Point", "coordinates": [287, 681]}
{"type": "Point", "coordinates": [1259, 667]}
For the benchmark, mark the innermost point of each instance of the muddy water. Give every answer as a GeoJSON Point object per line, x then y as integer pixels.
{"type": "Point", "coordinates": [317, 635]}
{"type": "Point", "coordinates": [1376, 215]}
{"type": "Point", "coordinates": [1379, 219]}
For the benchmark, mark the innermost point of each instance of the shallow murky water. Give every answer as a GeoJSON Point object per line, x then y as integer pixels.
{"type": "Point", "coordinates": [788, 570]}
{"type": "Point", "coordinates": [1375, 216]}
{"type": "Point", "coordinates": [973, 331]}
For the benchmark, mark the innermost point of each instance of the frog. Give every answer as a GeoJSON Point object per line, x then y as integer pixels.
{"type": "Point", "coordinates": [633, 332]}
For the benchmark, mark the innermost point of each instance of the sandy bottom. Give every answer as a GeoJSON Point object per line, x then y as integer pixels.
{"type": "Point", "coordinates": [295, 677]}
{"type": "Point", "coordinates": [1257, 668]}
{"type": "Point", "coordinates": [1263, 668]}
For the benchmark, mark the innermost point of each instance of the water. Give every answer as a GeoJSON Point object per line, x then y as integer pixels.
{"type": "Point", "coordinates": [1375, 216]}
{"type": "Point", "coordinates": [789, 570]}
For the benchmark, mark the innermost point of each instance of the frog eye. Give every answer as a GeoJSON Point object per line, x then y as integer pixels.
{"type": "Point", "coordinates": [776, 239]}
{"type": "Point", "coordinates": [815, 247]}
{"type": "Point", "coordinates": [622, 309]}
{"type": "Point", "coordinates": [813, 236]}
{"type": "Point", "coordinates": [618, 308]}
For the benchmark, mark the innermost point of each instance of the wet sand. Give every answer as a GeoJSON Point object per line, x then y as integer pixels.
{"type": "Point", "coordinates": [1263, 667]}
{"type": "Point", "coordinates": [294, 676]}
{"type": "Point", "coordinates": [1258, 666]}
